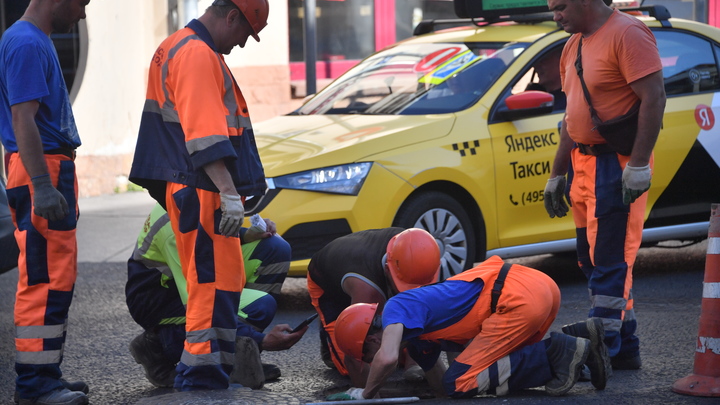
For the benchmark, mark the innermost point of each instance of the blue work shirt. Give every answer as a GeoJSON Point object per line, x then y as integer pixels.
{"type": "Point", "coordinates": [30, 70]}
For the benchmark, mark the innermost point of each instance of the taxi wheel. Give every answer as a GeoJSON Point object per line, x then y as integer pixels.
{"type": "Point", "coordinates": [447, 221]}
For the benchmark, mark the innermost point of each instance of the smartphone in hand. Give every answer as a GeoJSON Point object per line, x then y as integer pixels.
{"type": "Point", "coordinates": [305, 323]}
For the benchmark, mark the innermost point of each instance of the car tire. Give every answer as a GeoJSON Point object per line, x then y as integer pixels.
{"type": "Point", "coordinates": [445, 219]}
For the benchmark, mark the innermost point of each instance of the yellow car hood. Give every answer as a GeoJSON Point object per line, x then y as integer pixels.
{"type": "Point", "coordinates": [295, 143]}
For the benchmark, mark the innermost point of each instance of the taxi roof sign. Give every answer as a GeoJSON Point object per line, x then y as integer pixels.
{"type": "Point", "coordinates": [492, 9]}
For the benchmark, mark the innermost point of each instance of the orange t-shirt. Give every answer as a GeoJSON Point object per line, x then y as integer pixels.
{"type": "Point", "coordinates": [622, 51]}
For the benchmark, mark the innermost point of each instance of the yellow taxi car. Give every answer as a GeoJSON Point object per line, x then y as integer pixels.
{"type": "Point", "coordinates": [439, 132]}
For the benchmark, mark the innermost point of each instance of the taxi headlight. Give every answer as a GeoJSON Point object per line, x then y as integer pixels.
{"type": "Point", "coordinates": [342, 179]}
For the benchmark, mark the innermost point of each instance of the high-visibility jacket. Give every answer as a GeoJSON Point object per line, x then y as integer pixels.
{"type": "Point", "coordinates": [194, 114]}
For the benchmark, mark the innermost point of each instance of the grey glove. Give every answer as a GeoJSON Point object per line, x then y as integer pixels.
{"type": "Point", "coordinates": [233, 214]}
{"type": "Point", "coordinates": [554, 197]}
{"type": "Point", "coordinates": [48, 202]}
{"type": "Point", "coordinates": [635, 181]}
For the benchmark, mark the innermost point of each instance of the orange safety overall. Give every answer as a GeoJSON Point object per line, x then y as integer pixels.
{"type": "Point", "coordinates": [195, 115]}
{"type": "Point", "coordinates": [608, 238]}
{"type": "Point", "coordinates": [336, 355]}
{"type": "Point", "coordinates": [47, 267]}
{"type": "Point", "coordinates": [213, 267]}
{"type": "Point", "coordinates": [526, 308]}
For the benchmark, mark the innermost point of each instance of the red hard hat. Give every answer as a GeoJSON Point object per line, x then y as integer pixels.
{"type": "Point", "coordinates": [256, 12]}
{"type": "Point", "coordinates": [352, 326]}
{"type": "Point", "coordinates": [413, 258]}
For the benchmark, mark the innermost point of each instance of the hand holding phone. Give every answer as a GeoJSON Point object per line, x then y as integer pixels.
{"type": "Point", "coordinates": [305, 323]}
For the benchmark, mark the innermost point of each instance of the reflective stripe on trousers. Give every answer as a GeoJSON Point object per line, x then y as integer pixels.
{"type": "Point", "coordinates": [608, 238]}
{"type": "Point", "coordinates": [213, 267]}
{"type": "Point", "coordinates": [267, 264]}
{"type": "Point", "coordinates": [526, 309]}
{"type": "Point", "coordinates": [47, 267]}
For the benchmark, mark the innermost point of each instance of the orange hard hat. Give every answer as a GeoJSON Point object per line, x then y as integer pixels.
{"type": "Point", "coordinates": [413, 259]}
{"type": "Point", "coordinates": [256, 12]}
{"type": "Point", "coordinates": [352, 326]}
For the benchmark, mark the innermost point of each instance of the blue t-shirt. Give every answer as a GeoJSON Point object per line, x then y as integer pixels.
{"type": "Point", "coordinates": [30, 70]}
{"type": "Point", "coordinates": [428, 309]}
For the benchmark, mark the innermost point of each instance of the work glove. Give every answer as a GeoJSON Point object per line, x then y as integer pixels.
{"type": "Point", "coordinates": [554, 197]}
{"type": "Point", "coordinates": [233, 214]}
{"type": "Point", "coordinates": [48, 202]}
{"type": "Point", "coordinates": [635, 181]}
{"type": "Point", "coordinates": [349, 395]}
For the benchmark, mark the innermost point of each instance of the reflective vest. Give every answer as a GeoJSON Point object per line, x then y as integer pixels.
{"type": "Point", "coordinates": [194, 114]}
{"type": "Point", "coordinates": [471, 325]}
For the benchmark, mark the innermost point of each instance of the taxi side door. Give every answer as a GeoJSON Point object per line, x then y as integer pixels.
{"type": "Point", "coordinates": [524, 146]}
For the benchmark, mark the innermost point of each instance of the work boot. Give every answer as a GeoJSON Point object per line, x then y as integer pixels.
{"type": "Point", "coordinates": [60, 396]}
{"type": "Point", "coordinates": [75, 385]}
{"type": "Point", "coordinates": [247, 368]}
{"type": "Point", "coordinates": [147, 351]}
{"type": "Point", "coordinates": [598, 361]}
{"type": "Point", "coordinates": [566, 355]}
{"type": "Point", "coordinates": [79, 386]}
{"type": "Point", "coordinates": [414, 373]}
{"type": "Point", "coordinates": [271, 371]}
{"type": "Point", "coordinates": [620, 362]}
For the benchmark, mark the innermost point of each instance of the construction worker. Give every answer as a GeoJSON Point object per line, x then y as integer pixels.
{"type": "Point", "coordinates": [38, 132]}
{"type": "Point", "coordinates": [606, 185]}
{"type": "Point", "coordinates": [156, 295]}
{"type": "Point", "coordinates": [197, 157]}
{"type": "Point", "coordinates": [368, 266]}
{"type": "Point", "coordinates": [495, 313]}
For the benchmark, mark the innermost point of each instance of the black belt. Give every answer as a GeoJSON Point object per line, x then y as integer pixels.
{"type": "Point", "coordinates": [497, 288]}
{"type": "Point", "coordinates": [69, 152]}
{"type": "Point", "coordinates": [595, 150]}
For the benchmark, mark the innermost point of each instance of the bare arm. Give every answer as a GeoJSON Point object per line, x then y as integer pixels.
{"type": "Point", "coordinates": [358, 371]}
{"type": "Point", "coordinates": [651, 91]}
{"type": "Point", "coordinates": [562, 156]}
{"type": "Point", "coordinates": [385, 360]}
{"type": "Point", "coordinates": [28, 139]}
{"type": "Point", "coordinates": [220, 176]}
{"type": "Point", "coordinates": [360, 291]}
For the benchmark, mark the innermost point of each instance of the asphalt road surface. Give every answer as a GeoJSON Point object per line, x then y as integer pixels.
{"type": "Point", "coordinates": [668, 288]}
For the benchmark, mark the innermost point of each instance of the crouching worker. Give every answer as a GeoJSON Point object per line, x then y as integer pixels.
{"type": "Point", "coordinates": [368, 266]}
{"type": "Point", "coordinates": [156, 296]}
{"type": "Point", "coordinates": [503, 310]}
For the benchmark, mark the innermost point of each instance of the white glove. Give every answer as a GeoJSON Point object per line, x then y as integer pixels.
{"type": "Point", "coordinates": [635, 181]}
{"type": "Point", "coordinates": [349, 395]}
{"type": "Point", "coordinates": [48, 202]}
{"type": "Point", "coordinates": [554, 197]}
{"type": "Point", "coordinates": [233, 214]}
{"type": "Point", "coordinates": [257, 224]}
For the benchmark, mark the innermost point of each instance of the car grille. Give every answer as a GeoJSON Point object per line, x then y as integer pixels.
{"type": "Point", "coordinates": [306, 239]}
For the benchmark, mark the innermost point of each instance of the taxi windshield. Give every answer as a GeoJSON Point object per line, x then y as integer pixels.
{"type": "Point", "coordinates": [412, 79]}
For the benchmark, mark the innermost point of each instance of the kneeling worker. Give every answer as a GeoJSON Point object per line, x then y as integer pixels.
{"type": "Point", "coordinates": [156, 296]}
{"type": "Point", "coordinates": [368, 266]}
{"type": "Point", "coordinates": [503, 311]}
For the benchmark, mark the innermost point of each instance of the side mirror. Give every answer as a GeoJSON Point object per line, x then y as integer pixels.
{"type": "Point", "coordinates": [527, 104]}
